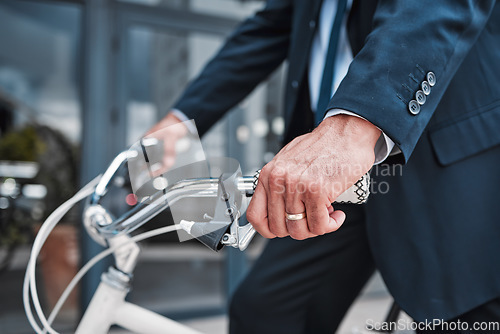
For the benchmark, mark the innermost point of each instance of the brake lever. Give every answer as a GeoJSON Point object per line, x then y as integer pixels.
{"type": "Point", "coordinates": [239, 236]}
{"type": "Point", "coordinates": [217, 235]}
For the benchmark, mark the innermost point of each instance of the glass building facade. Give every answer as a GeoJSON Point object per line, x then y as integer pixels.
{"type": "Point", "coordinates": [80, 81]}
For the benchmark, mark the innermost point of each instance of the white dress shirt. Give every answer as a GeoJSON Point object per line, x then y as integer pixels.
{"type": "Point", "coordinates": [343, 59]}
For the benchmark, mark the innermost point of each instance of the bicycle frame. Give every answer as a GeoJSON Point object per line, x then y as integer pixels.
{"type": "Point", "coordinates": [108, 306]}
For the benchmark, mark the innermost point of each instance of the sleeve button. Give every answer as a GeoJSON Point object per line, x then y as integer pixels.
{"type": "Point", "coordinates": [431, 78]}
{"type": "Point", "coordinates": [426, 88]}
{"type": "Point", "coordinates": [414, 107]}
{"type": "Point", "coordinates": [420, 97]}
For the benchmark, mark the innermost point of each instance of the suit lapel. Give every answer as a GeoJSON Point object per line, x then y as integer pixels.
{"type": "Point", "coordinates": [305, 24]}
{"type": "Point", "coordinates": [359, 23]}
{"type": "Point", "coordinates": [304, 31]}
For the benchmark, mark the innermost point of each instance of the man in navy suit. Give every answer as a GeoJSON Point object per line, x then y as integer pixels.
{"type": "Point", "coordinates": [423, 89]}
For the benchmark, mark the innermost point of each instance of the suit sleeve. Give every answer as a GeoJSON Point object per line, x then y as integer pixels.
{"type": "Point", "coordinates": [409, 39]}
{"type": "Point", "coordinates": [251, 53]}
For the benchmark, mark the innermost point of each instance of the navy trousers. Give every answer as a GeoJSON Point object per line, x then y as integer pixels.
{"type": "Point", "coordinates": [304, 286]}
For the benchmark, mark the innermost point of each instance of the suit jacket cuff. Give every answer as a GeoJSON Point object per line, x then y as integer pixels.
{"type": "Point", "coordinates": [183, 117]}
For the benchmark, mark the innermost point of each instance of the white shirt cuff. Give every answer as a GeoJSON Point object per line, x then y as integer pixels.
{"type": "Point", "coordinates": [182, 116]}
{"type": "Point", "coordinates": [384, 146]}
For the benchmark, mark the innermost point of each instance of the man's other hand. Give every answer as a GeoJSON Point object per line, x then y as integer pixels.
{"type": "Point", "coordinates": [308, 174]}
{"type": "Point", "coordinates": [168, 130]}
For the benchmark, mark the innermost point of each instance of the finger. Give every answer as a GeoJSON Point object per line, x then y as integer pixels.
{"type": "Point", "coordinates": [169, 153]}
{"type": "Point", "coordinates": [166, 158]}
{"type": "Point", "coordinates": [316, 203]}
{"type": "Point", "coordinates": [337, 218]}
{"type": "Point", "coordinates": [159, 156]}
{"type": "Point", "coordinates": [321, 218]}
{"type": "Point", "coordinates": [167, 132]}
{"type": "Point", "coordinates": [257, 212]}
{"type": "Point", "coordinates": [297, 229]}
{"type": "Point", "coordinates": [276, 202]}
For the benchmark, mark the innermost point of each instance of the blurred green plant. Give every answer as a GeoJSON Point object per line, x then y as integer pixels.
{"type": "Point", "coordinates": [54, 155]}
{"type": "Point", "coordinates": [21, 145]}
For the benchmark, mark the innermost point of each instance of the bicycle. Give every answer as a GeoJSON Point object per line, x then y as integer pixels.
{"type": "Point", "coordinates": [108, 306]}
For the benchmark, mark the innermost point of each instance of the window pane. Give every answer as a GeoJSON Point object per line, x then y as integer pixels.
{"type": "Point", "coordinates": [39, 62]}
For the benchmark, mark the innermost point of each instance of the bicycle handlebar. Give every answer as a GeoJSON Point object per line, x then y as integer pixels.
{"type": "Point", "coordinates": [222, 230]}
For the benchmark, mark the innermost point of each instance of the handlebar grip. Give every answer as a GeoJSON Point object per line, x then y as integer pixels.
{"type": "Point", "coordinates": [357, 194]}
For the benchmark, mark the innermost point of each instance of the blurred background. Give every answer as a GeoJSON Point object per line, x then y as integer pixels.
{"type": "Point", "coordinates": [80, 81]}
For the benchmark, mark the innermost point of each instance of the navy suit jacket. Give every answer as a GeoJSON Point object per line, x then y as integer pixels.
{"type": "Point", "coordinates": [435, 234]}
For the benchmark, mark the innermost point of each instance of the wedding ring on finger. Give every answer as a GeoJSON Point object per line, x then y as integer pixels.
{"type": "Point", "coordinates": [295, 216]}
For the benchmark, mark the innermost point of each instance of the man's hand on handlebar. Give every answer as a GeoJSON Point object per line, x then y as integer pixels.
{"type": "Point", "coordinates": [308, 174]}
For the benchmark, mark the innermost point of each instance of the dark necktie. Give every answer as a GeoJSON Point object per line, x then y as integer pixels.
{"type": "Point", "coordinates": [325, 90]}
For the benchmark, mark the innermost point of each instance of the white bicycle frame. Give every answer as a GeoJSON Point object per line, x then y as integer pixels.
{"type": "Point", "coordinates": [108, 306]}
